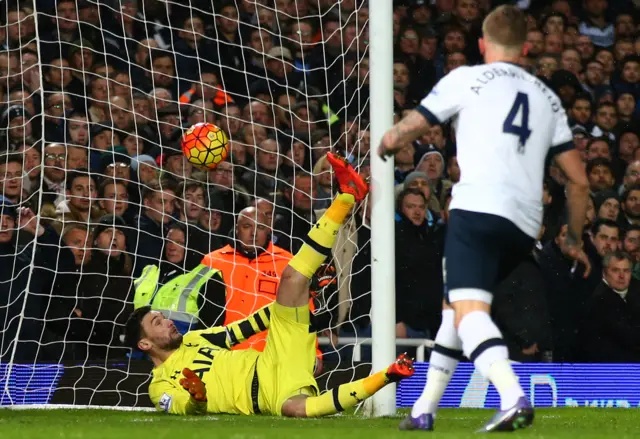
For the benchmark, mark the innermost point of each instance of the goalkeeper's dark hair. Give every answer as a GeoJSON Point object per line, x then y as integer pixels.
{"type": "Point", "coordinates": [133, 328]}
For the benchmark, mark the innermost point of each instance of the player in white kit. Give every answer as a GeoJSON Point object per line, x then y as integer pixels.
{"type": "Point", "coordinates": [506, 122]}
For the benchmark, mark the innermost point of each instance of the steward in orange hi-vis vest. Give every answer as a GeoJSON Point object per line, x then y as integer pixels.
{"type": "Point", "coordinates": [252, 282]}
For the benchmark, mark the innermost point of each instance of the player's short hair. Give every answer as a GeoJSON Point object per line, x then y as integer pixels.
{"type": "Point", "coordinates": [133, 329]}
{"type": "Point", "coordinates": [506, 26]}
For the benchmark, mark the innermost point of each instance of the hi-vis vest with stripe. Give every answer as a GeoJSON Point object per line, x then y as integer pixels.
{"type": "Point", "coordinates": [178, 298]}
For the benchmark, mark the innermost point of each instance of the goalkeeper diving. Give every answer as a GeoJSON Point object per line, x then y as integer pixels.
{"type": "Point", "coordinates": [198, 373]}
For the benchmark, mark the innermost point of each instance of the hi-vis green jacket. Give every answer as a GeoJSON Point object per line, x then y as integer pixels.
{"type": "Point", "coordinates": [183, 298]}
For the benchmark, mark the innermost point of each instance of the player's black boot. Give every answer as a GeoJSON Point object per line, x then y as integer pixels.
{"type": "Point", "coordinates": [517, 417]}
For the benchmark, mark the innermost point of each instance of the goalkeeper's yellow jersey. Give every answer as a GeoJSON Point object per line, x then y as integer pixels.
{"type": "Point", "coordinates": [227, 374]}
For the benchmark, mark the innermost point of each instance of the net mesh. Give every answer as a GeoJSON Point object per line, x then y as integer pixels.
{"type": "Point", "coordinates": [96, 96]}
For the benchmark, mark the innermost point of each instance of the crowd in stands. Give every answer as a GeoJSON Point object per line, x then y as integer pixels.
{"type": "Point", "coordinates": [94, 186]}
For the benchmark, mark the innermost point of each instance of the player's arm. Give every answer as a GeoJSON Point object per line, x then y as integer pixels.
{"type": "Point", "coordinates": [577, 188]}
{"type": "Point", "coordinates": [235, 333]}
{"type": "Point", "coordinates": [410, 128]}
{"type": "Point", "coordinates": [442, 103]}
{"type": "Point", "coordinates": [168, 398]}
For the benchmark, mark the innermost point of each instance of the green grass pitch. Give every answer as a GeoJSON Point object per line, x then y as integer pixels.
{"type": "Point", "coordinates": [561, 423]}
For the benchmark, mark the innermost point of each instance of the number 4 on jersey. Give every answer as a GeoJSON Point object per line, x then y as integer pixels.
{"type": "Point", "coordinates": [523, 132]}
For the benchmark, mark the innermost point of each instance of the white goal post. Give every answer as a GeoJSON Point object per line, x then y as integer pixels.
{"type": "Point", "coordinates": [383, 208]}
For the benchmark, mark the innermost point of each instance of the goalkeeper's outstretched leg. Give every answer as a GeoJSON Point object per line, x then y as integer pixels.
{"type": "Point", "coordinates": [292, 301]}
{"type": "Point", "coordinates": [293, 291]}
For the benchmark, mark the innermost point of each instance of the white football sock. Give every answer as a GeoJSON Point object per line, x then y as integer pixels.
{"type": "Point", "coordinates": [482, 343]}
{"type": "Point", "coordinates": [443, 362]}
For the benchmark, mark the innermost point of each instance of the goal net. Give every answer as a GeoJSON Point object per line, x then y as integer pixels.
{"type": "Point", "coordinates": [96, 193]}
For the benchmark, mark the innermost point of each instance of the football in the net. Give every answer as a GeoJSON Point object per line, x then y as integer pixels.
{"type": "Point", "coordinates": [205, 145]}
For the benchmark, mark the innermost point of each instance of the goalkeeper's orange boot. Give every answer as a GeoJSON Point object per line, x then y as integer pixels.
{"type": "Point", "coordinates": [402, 368]}
{"type": "Point", "coordinates": [349, 181]}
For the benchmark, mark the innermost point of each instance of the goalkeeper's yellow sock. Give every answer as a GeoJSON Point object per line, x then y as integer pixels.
{"type": "Point", "coordinates": [321, 238]}
{"type": "Point", "coordinates": [345, 396]}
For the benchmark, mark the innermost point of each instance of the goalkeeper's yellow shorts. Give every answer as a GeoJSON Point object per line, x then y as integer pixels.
{"type": "Point", "coordinates": [285, 367]}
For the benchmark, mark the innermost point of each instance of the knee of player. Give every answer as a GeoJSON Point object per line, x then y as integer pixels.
{"type": "Point", "coordinates": [464, 307]}
{"type": "Point", "coordinates": [295, 408]}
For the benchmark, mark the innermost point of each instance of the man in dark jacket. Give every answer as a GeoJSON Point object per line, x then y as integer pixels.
{"type": "Point", "coordinates": [566, 295]}
{"type": "Point", "coordinates": [520, 311]}
{"type": "Point", "coordinates": [419, 250]}
{"type": "Point", "coordinates": [294, 221]}
{"type": "Point", "coordinates": [605, 237]}
{"type": "Point", "coordinates": [18, 283]}
{"type": "Point", "coordinates": [146, 240]}
{"type": "Point", "coordinates": [611, 330]}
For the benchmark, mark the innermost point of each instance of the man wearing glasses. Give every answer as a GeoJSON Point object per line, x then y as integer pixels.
{"type": "Point", "coordinates": [55, 168]}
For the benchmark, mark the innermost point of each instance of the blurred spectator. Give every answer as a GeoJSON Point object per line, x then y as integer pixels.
{"type": "Point", "coordinates": [263, 180]}
{"type": "Point", "coordinates": [145, 169]}
{"type": "Point", "coordinates": [11, 180]}
{"type": "Point", "coordinates": [566, 295]}
{"type": "Point", "coordinates": [419, 251]}
{"type": "Point", "coordinates": [21, 315]}
{"type": "Point", "coordinates": [77, 130]}
{"type": "Point", "coordinates": [66, 333]}
{"type": "Point", "coordinates": [176, 167]}
{"type": "Point", "coordinates": [150, 226]}
{"type": "Point", "coordinates": [631, 246]}
{"type": "Point", "coordinates": [600, 174]}
{"type": "Point", "coordinates": [612, 330]}
{"type": "Point", "coordinates": [404, 163]}
{"type": "Point", "coordinates": [607, 205]}
{"type": "Point", "coordinates": [521, 311]}
{"type": "Point", "coordinates": [190, 206]}
{"type": "Point", "coordinates": [228, 194]}
{"type": "Point", "coordinates": [81, 204]}
{"type": "Point", "coordinates": [432, 164]}
{"type": "Point", "coordinates": [77, 158]}
{"type": "Point", "coordinates": [295, 213]}
{"type": "Point", "coordinates": [323, 182]}
{"type": "Point", "coordinates": [420, 180]}
{"type": "Point", "coordinates": [16, 127]}
{"type": "Point", "coordinates": [113, 199]}
{"type": "Point", "coordinates": [55, 166]}
{"type": "Point", "coordinates": [109, 310]}
{"type": "Point", "coordinates": [631, 205]}
{"type": "Point", "coordinates": [598, 147]}
{"type": "Point", "coordinates": [605, 237]}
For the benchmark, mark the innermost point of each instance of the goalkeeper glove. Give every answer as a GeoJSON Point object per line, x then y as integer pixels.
{"type": "Point", "coordinates": [194, 385]}
{"type": "Point", "coordinates": [324, 277]}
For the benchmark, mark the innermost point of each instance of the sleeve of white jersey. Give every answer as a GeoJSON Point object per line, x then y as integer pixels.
{"type": "Point", "coordinates": [562, 139]}
{"type": "Point", "coordinates": [445, 99]}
